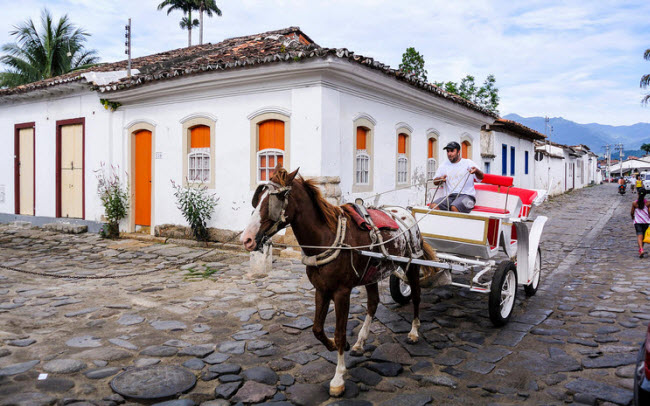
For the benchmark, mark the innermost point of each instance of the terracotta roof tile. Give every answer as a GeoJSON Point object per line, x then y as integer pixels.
{"type": "Point", "coordinates": [518, 129]}
{"type": "Point", "coordinates": [286, 45]}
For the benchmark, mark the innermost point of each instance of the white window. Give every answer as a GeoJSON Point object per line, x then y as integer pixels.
{"type": "Point", "coordinates": [267, 159]}
{"type": "Point", "coordinates": [402, 169]}
{"type": "Point", "coordinates": [431, 168]}
{"type": "Point", "coordinates": [198, 165]}
{"type": "Point", "coordinates": [363, 167]}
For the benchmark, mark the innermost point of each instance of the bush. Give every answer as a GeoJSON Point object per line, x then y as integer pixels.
{"type": "Point", "coordinates": [114, 197]}
{"type": "Point", "coordinates": [197, 206]}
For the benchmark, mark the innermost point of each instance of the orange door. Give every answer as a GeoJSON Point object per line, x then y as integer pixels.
{"type": "Point", "coordinates": [142, 178]}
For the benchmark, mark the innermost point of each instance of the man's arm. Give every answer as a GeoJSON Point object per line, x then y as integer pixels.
{"type": "Point", "coordinates": [477, 172]}
{"type": "Point", "coordinates": [439, 180]}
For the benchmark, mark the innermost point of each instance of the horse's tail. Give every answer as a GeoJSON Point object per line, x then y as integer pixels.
{"type": "Point", "coordinates": [430, 255]}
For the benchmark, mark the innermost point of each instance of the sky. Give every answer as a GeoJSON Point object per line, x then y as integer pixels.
{"type": "Point", "coordinates": [581, 60]}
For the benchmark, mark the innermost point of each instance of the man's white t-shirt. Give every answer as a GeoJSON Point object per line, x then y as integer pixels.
{"type": "Point", "coordinates": [456, 175]}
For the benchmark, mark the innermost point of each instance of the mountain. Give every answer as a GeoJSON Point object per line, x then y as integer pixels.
{"type": "Point", "coordinates": [594, 135]}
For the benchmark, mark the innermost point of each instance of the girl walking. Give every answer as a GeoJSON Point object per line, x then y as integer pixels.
{"type": "Point", "coordinates": [641, 217]}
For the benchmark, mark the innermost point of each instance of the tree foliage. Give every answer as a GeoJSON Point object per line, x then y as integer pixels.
{"type": "Point", "coordinates": [645, 148]}
{"type": "Point", "coordinates": [645, 79]}
{"type": "Point", "coordinates": [210, 8]}
{"type": "Point", "coordinates": [55, 48]}
{"type": "Point", "coordinates": [486, 96]}
{"type": "Point", "coordinates": [187, 22]}
{"type": "Point", "coordinates": [413, 64]}
{"type": "Point", "coordinates": [197, 206]}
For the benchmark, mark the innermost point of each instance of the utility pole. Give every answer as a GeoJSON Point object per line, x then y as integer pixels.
{"type": "Point", "coordinates": [607, 156]}
{"type": "Point", "coordinates": [619, 147]}
{"type": "Point", "coordinates": [127, 45]}
{"type": "Point", "coordinates": [546, 120]}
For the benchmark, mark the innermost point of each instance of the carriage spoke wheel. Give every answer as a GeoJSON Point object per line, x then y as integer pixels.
{"type": "Point", "coordinates": [503, 293]}
{"type": "Point", "coordinates": [400, 291]}
{"type": "Point", "coordinates": [531, 288]}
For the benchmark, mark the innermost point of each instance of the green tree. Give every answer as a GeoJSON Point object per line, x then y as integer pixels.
{"type": "Point", "coordinates": [413, 64]}
{"type": "Point", "coordinates": [210, 8]}
{"type": "Point", "coordinates": [186, 6]}
{"type": "Point", "coordinates": [56, 49]}
{"type": "Point", "coordinates": [645, 79]}
{"type": "Point", "coordinates": [646, 148]}
{"type": "Point", "coordinates": [486, 96]}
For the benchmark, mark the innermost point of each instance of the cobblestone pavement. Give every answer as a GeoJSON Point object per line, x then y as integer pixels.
{"type": "Point", "coordinates": [247, 337]}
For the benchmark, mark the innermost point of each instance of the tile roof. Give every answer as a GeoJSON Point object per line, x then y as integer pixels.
{"type": "Point", "coordinates": [286, 45]}
{"type": "Point", "coordinates": [517, 128]}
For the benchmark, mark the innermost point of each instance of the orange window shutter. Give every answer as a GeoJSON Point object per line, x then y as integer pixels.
{"type": "Point", "coordinates": [463, 149]}
{"type": "Point", "coordinates": [271, 134]}
{"type": "Point", "coordinates": [430, 152]}
{"type": "Point", "coordinates": [200, 137]}
{"type": "Point", "coordinates": [362, 135]}
{"type": "Point", "coordinates": [401, 144]}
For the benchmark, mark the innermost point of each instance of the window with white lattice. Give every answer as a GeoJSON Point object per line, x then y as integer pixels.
{"type": "Point", "coordinates": [266, 163]}
{"type": "Point", "coordinates": [431, 168]}
{"type": "Point", "coordinates": [363, 168]}
{"type": "Point", "coordinates": [198, 165]}
{"type": "Point", "coordinates": [402, 169]}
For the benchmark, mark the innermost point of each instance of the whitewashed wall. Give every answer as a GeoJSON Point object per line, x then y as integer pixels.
{"type": "Point", "coordinates": [45, 113]}
{"type": "Point", "coordinates": [521, 179]}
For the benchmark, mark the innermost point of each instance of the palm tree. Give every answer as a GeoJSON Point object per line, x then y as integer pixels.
{"type": "Point", "coordinates": [186, 6]}
{"type": "Point", "coordinates": [645, 79]}
{"type": "Point", "coordinates": [56, 49]}
{"type": "Point", "coordinates": [210, 8]}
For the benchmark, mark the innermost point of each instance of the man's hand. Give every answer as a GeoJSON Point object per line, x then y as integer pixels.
{"type": "Point", "coordinates": [474, 170]}
{"type": "Point", "coordinates": [439, 180]}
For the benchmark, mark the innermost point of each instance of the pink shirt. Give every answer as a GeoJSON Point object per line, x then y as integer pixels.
{"type": "Point", "coordinates": [642, 216]}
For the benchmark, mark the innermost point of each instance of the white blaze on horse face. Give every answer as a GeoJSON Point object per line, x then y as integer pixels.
{"type": "Point", "coordinates": [363, 335]}
{"type": "Point", "coordinates": [337, 384]}
{"type": "Point", "coordinates": [248, 235]}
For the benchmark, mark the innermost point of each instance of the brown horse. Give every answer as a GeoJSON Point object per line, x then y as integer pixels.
{"type": "Point", "coordinates": [288, 199]}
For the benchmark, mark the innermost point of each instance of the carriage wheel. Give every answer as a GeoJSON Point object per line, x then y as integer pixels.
{"type": "Point", "coordinates": [400, 291]}
{"type": "Point", "coordinates": [503, 292]}
{"type": "Point", "coordinates": [531, 288]}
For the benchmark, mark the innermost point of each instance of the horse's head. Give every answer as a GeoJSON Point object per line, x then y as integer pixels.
{"type": "Point", "coordinates": [273, 209]}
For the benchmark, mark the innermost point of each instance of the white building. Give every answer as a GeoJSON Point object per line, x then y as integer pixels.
{"type": "Point", "coordinates": [222, 115]}
{"type": "Point", "coordinates": [508, 149]}
{"type": "Point", "coordinates": [560, 168]}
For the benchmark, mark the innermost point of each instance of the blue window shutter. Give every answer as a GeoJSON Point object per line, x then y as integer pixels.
{"type": "Point", "coordinates": [487, 167]}
{"type": "Point", "coordinates": [512, 161]}
{"type": "Point", "coordinates": [504, 160]}
{"type": "Point", "coordinates": [526, 162]}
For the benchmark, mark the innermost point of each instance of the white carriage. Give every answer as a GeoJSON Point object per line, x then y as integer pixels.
{"type": "Point", "coordinates": [469, 243]}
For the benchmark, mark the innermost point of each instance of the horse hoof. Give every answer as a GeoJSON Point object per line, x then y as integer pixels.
{"type": "Point", "coordinates": [347, 346]}
{"type": "Point", "coordinates": [336, 391]}
{"type": "Point", "coordinates": [410, 340]}
{"type": "Point", "coordinates": [356, 352]}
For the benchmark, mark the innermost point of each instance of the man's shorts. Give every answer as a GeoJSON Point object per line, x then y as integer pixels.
{"type": "Point", "coordinates": [640, 228]}
{"type": "Point", "coordinates": [464, 203]}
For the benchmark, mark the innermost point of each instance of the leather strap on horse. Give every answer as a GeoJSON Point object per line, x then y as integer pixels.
{"type": "Point", "coordinates": [332, 252]}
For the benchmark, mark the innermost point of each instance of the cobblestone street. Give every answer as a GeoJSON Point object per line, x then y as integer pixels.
{"type": "Point", "coordinates": [247, 336]}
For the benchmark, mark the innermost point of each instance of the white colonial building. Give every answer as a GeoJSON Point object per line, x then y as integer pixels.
{"type": "Point", "coordinates": [222, 115]}
{"type": "Point", "coordinates": [560, 168]}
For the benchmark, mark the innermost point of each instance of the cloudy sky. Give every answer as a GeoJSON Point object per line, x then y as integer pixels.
{"type": "Point", "coordinates": [581, 60]}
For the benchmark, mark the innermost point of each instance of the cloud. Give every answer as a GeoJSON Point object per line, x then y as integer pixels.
{"type": "Point", "coordinates": [581, 59]}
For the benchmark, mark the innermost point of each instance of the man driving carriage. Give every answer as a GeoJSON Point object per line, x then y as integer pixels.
{"type": "Point", "coordinates": [456, 178]}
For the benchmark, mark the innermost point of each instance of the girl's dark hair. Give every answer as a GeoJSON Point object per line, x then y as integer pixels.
{"type": "Point", "coordinates": [640, 203]}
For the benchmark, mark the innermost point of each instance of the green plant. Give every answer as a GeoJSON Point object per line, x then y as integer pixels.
{"type": "Point", "coordinates": [110, 104]}
{"type": "Point", "coordinates": [198, 273]}
{"type": "Point", "coordinates": [197, 206]}
{"type": "Point", "coordinates": [114, 197]}
{"type": "Point", "coordinates": [413, 64]}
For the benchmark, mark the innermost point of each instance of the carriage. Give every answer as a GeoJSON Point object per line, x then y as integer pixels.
{"type": "Point", "coordinates": [472, 244]}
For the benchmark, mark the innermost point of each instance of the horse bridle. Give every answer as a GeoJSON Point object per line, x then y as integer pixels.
{"type": "Point", "coordinates": [278, 201]}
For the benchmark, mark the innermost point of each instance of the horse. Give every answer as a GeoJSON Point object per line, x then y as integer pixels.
{"type": "Point", "coordinates": [333, 270]}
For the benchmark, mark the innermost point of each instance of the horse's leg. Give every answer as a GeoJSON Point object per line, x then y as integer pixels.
{"type": "Point", "coordinates": [413, 275]}
{"type": "Point", "coordinates": [342, 308]}
{"type": "Point", "coordinates": [322, 306]}
{"type": "Point", "coordinates": [373, 301]}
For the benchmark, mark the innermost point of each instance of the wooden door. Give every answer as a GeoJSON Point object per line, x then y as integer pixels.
{"type": "Point", "coordinates": [142, 178]}
{"type": "Point", "coordinates": [72, 171]}
{"type": "Point", "coordinates": [25, 167]}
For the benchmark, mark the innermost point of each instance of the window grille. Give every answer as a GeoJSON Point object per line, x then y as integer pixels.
{"type": "Point", "coordinates": [363, 168]}
{"type": "Point", "coordinates": [402, 169]}
{"type": "Point", "coordinates": [431, 168]}
{"type": "Point", "coordinates": [199, 165]}
{"type": "Point", "coordinates": [266, 161]}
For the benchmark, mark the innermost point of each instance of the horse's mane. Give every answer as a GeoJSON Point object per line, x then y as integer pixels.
{"type": "Point", "coordinates": [328, 212]}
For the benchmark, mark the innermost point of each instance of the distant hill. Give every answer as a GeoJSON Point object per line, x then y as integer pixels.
{"type": "Point", "coordinates": [594, 135]}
